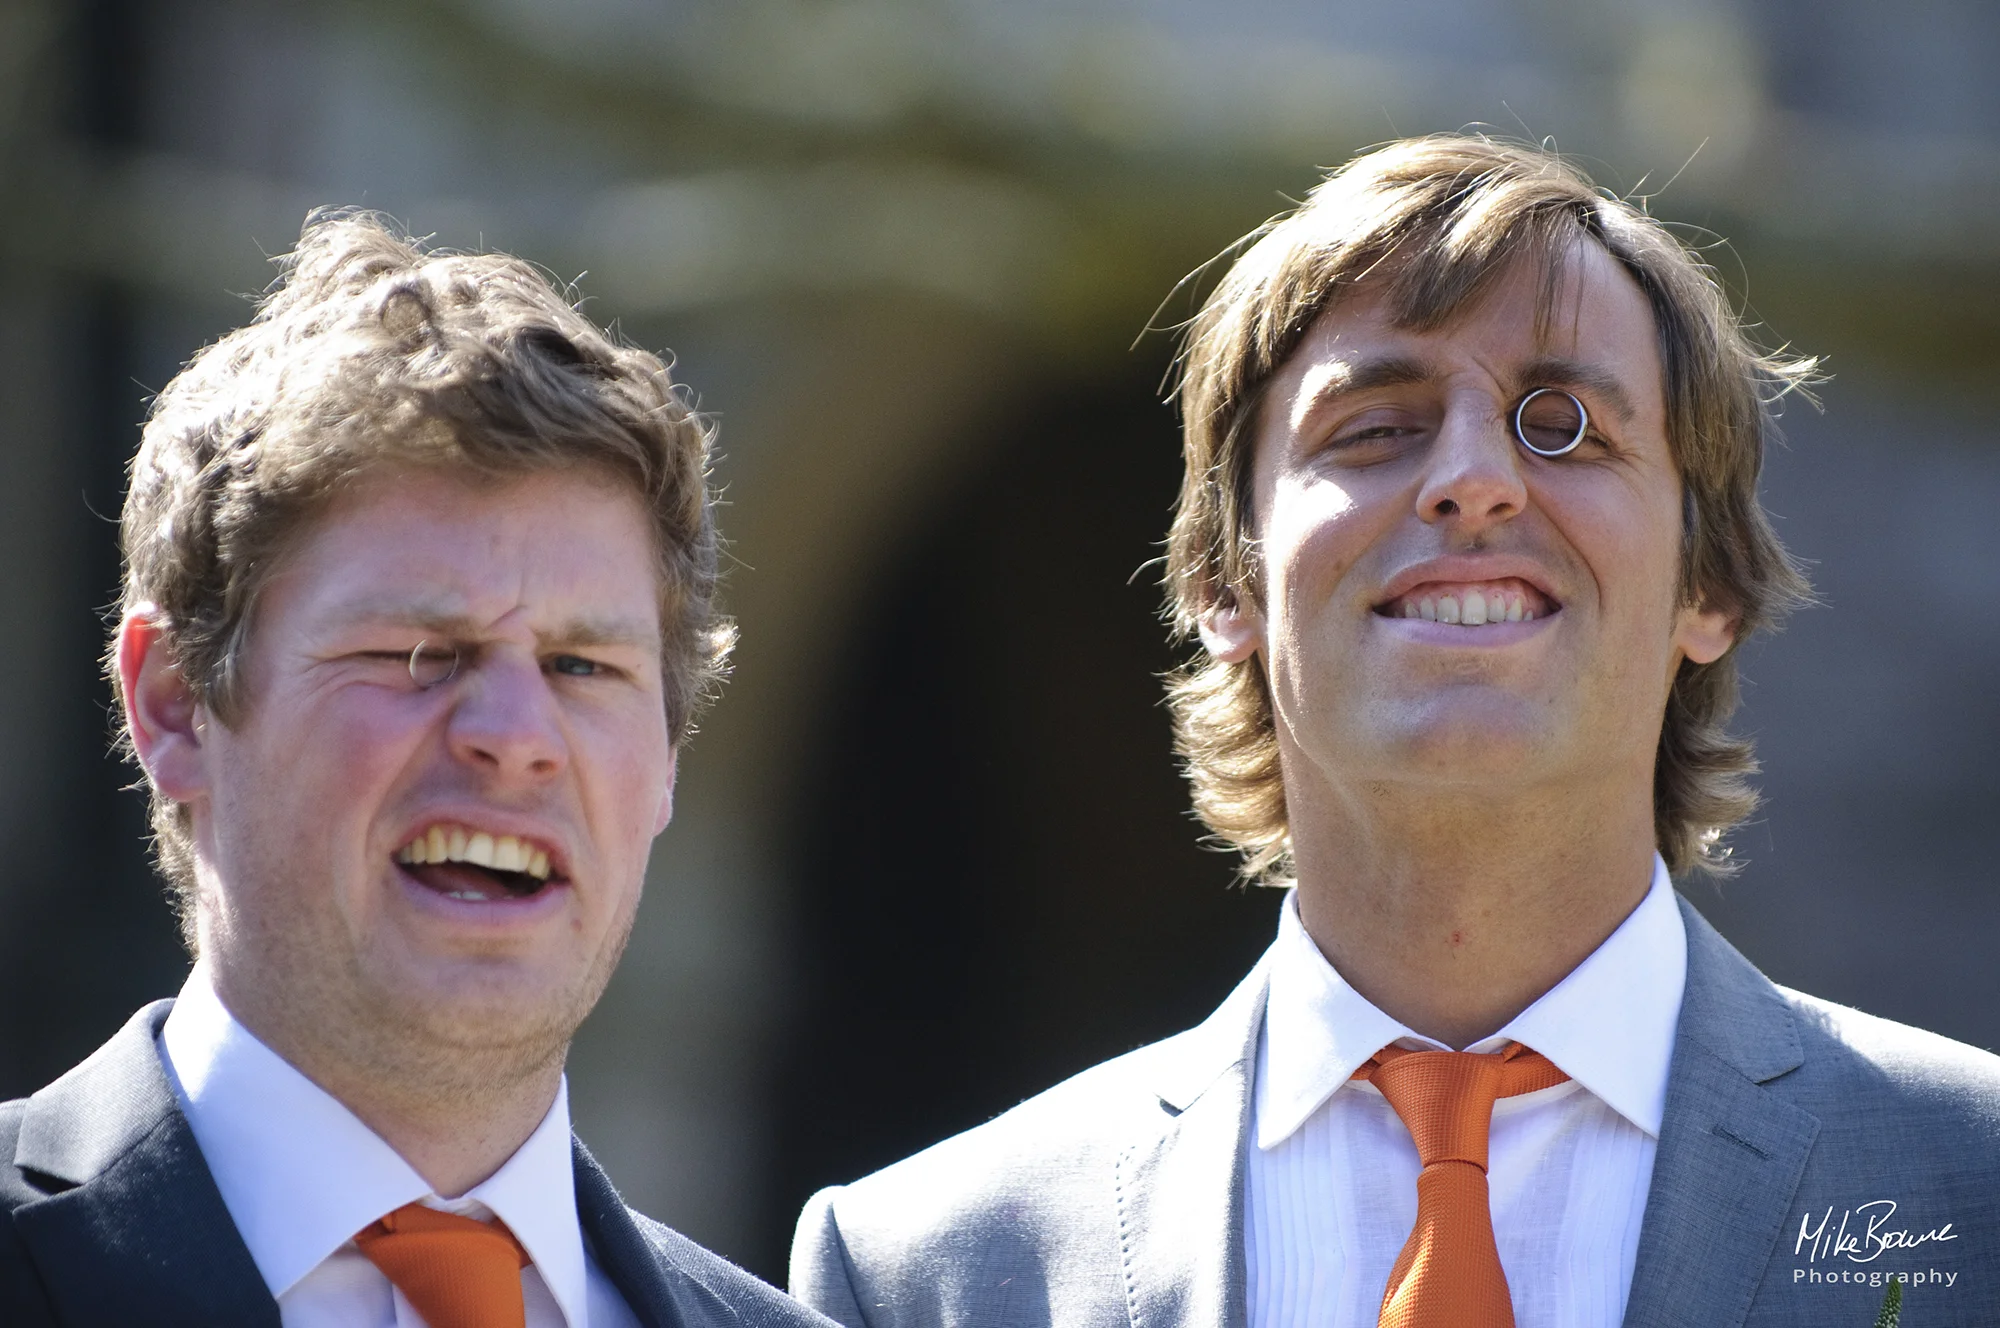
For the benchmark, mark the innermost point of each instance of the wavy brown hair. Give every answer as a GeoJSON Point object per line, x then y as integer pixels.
{"type": "Point", "coordinates": [369, 351]}
{"type": "Point", "coordinates": [1435, 220]}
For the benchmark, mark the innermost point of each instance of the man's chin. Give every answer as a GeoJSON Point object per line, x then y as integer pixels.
{"type": "Point", "coordinates": [486, 1005]}
{"type": "Point", "coordinates": [1469, 740]}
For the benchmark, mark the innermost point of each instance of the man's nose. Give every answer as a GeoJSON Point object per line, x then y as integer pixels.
{"type": "Point", "coordinates": [1472, 475]}
{"type": "Point", "coordinates": [504, 720]}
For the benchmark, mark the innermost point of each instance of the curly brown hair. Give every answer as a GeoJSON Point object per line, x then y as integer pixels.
{"type": "Point", "coordinates": [1436, 219]}
{"type": "Point", "coordinates": [371, 350]}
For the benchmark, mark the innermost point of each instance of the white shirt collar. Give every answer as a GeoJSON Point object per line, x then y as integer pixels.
{"type": "Point", "coordinates": [1609, 1024]}
{"type": "Point", "coordinates": [301, 1174]}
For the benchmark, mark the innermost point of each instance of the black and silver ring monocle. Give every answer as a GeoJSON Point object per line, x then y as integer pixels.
{"type": "Point", "coordinates": [1550, 422]}
{"type": "Point", "coordinates": [433, 666]}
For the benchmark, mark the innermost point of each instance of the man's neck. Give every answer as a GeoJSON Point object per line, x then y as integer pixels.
{"type": "Point", "coordinates": [455, 1117]}
{"type": "Point", "coordinates": [1453, 914]}
{"type": "Point", "coordinates": [456, 1138]}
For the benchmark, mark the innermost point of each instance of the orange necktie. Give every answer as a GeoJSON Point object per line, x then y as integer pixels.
{"type": "Point", "coordinates": [1449, 1275]}
{"type": "Point", "coordinates": [457, 1272]}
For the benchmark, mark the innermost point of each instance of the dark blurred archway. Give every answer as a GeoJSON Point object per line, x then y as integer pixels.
{"type": "Point", "coordinates": [996, 876]}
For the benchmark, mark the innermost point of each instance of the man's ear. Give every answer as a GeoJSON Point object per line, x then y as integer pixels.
{"type": "Point", "coordinates": [1704, 635]}
{"type": "Point", "coordinates": [1232, 630]}
{"type": "Point", "coordinates": [167, 724]}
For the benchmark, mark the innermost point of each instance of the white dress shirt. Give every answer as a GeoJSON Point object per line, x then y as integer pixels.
{"type": "Point", "coordinates": [1331, 1185]}
{"type": "Point", "coordinates": [300, 1174]}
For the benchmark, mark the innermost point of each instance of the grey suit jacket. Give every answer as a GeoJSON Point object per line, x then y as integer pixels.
{"type": "Point", "coordinates": [113, 1218]}
{"type": "Point", "coordinates": [1116, 1198]}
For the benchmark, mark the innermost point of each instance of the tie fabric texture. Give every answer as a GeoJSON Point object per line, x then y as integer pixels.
{"type": "Point", "coordinates": [1449, 1274]}
{"type": "Point", "coordinates": [458, 1272]}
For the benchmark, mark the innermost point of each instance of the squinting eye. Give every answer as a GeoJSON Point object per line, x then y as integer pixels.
{"type": "Point", "coordinates": [1550, 422]}
{"type": "Point", "coordinates": [433, 665]}
{"type": "Point", "coordinates": [574, 666]}
{"type": "Point", "coordinates": [1366, 447]}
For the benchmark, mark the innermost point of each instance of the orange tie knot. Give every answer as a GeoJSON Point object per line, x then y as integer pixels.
{"type": "Point", "coordinates": [1445, 1098]}
{"type": "Point", "coordinates": [1448, 1274]}
{"type": "Point", "coordinates": [458, 1272]}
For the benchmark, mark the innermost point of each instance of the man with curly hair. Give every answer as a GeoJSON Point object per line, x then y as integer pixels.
{"type": "Point", "coordinates": [1469, 534]}
{"type": "Point", "coordinates": [419, 604]}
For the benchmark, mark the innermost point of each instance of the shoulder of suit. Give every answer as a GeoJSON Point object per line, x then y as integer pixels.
{"type": "Point", "coordinates": [23, 1295]}
{"type": "Point", "coordinates": [732, 1294]}
{"type": "Point", "coordinates": [16, 1187]}
{"type": "Point", "coordinates": [1866, 1058]}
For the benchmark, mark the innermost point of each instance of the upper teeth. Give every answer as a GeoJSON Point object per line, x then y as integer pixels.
{"type": "Point", "coordinates": [1470, 606]}
{"type": "Point", "coordinates": [455, 843]}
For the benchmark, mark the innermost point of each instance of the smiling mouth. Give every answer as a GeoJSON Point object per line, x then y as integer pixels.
{"type": "Point", "coordinates": [1471, 603]}
{"type": "Point", "coordinates": [462, 863]}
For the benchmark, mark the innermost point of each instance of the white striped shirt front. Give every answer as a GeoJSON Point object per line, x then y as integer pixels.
{"type": "Point", "coordinates": [1330, 1187]}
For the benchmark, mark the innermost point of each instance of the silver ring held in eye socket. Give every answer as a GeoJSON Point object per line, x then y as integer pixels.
{"type": "Point", "coordinates": [1550, 433]}
{"type": "Point", "coordinates": [433, 666]}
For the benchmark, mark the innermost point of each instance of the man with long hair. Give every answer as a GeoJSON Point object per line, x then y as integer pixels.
{"type": "Point", "coordinates": [1469, 534]}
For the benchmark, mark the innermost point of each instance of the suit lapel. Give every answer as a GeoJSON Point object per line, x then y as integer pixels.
{"type": "Point", "coordinates": [657, 1288]}
{"type": "Point", "coordinates": [1180, 1188]}
{"type": "Point", "coordinates": [1731, 1151]}
{"type": "Point", "coordinates": [136, 1231]}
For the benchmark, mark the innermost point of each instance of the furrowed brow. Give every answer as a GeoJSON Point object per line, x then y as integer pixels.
{"type": "Point", "coordinates": [620, 633]}
{"type": "Point", "coordinates": [436, 617]}
{"type": "Point", "coordinates": [446, 623]}
{"type": "Point", "coordinates": [1593, 380]}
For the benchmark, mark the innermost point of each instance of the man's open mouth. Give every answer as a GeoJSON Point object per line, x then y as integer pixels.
{"type": "Point", "coordinates": [462, 863]}
{"type": "Point", "coordinates": [1470, 603]}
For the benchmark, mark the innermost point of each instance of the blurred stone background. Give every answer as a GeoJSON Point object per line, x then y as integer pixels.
{"type": "Point", "coordinates": [931, 852]}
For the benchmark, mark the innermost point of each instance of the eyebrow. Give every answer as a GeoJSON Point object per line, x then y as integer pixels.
{"type": "Point", "coordinates": [1560, 371]}
{"type": "Point", "coordinates": [1367, 376]}
{"type": "Point", "coordinates": [583, 630]}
